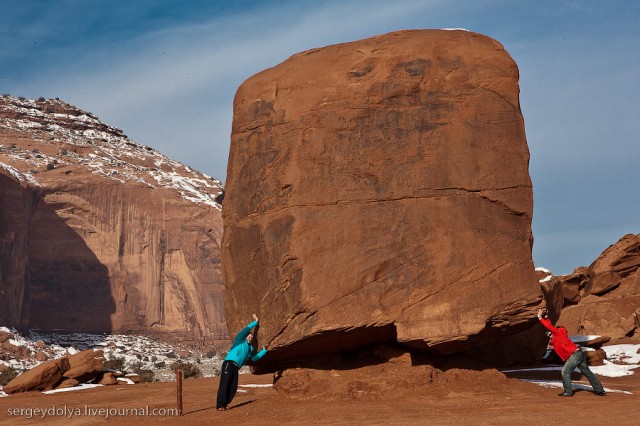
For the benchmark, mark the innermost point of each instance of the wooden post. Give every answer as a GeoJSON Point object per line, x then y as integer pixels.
{"type": "Point", "coordinates": [179, 390]}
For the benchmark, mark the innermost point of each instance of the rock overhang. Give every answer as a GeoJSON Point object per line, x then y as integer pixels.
{"type": "Point", "coordinates": [381, 184]}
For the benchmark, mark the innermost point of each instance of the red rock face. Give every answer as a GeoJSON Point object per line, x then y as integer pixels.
{"type": "Point", "coordinates": [607, 298]}
{"type": "Point", "coordinates": [101, 234]}
{"type": "Point", "coordinates": [379, 191]}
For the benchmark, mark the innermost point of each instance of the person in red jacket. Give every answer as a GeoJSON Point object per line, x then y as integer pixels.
{"type": "Point", "coordinates": [571, 355]}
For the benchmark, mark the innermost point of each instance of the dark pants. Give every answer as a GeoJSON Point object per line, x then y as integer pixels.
{"type": "Point", "coordinates": [228, 384]}
{"type": "Point", "coordinates": [578, 359]}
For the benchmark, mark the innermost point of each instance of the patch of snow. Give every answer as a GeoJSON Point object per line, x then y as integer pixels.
{"type": "Point", "coordinates": [256, 386]}
{"type": "Point", "coordinates": [546, 279]}
{"type": "Point", "coordinates": [22, 177]}
{"type": "Point", "coordinates": [623, 353]}
{"type": "Point", "coordinates": [541, 269]}
{"type": "Point", "coordinates": [125, 380]}
{"type": "Point", "coordinates": [74, 388]}
{"type": "Point", "coordinates": [575, 385]}
{"type": "Point", "coordinates": [609, 369]}
{"type": "Point", "coordinates": [626, 360]}
{"type": "Point", "coordinates": [136, 352]}
{"type": "Point", "coordinates": [581, 339]}
{"type": "Point", "coordinates": [111, 148]}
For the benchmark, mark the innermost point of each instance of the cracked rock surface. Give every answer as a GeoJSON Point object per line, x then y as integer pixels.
{"type": "Point", "coordinates": [379, 191]}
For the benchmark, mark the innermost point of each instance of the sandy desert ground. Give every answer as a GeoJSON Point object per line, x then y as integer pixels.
{"type": "Point", "coordinates": [457, 398]}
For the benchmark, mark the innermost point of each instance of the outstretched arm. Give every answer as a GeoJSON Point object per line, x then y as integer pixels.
{"type": "Point", "coordinates": [259, 355]}
{"type": "Point", "coordinates": [546, 322]}
{"type": "Point", "coordinates": [245, 331]}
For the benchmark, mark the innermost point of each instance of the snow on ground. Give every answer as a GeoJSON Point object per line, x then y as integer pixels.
{"type": "Point", "coordinates": [82, 386]}
{"type": "Point", "coordinates": [21, 177]}
{"type": "Point", "coordinates": [252, 386]}
{"type": "Point", "coordinates": [629, 354]}
{"type": "Point", "coordinates": [622, 360]}
{"type": "Point", "coordinates": [113, 155]}
{"type": "Point", "coordinates": [609, 369]}
{"type": "Point", "coordinates": [136, 352]}
{"type": "Point", "coordinates": [582, 339]}
{"type": "Point", "coordinates": [575, 385]}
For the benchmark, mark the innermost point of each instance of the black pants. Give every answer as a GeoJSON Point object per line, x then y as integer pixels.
{"type": "Point", "coordinates": [228, 384]}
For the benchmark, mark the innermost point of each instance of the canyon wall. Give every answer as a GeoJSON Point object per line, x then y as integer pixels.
{"type": "Point", "coordinates": [101, 234]}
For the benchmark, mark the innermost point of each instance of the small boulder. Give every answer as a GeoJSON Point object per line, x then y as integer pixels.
{"type": "Point", "coordinates": [135, 378]}
{"type": "Point", "coordinates": [8, 347]}
{"type": "Point", "coordinates": [67, 383]}
{"type": "Point", "coordinates": [595, 343]}
{"type": "Point", "coordinates": [596, 357]}
{"type": "Point", "coordinates": [42, 378]}
{"type": "Point", "coordinates": [108, 378]}
{"type": "Point", "coordinates": [85, 365]}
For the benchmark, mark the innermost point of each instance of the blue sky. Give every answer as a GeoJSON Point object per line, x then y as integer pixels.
{"type": "Point", "coordinates": [166, 71]}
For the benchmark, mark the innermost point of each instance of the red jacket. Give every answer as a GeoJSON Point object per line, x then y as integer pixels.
{"type": "Point", "coordinates": [560, 341]}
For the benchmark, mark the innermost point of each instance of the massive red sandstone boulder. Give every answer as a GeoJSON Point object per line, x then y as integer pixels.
{"type": "Point", "coordinates": [606, 295]}
{"type": "Point", "coordinates": [379, 191]}
{"type": "Point", "coordinates": [101, 234]}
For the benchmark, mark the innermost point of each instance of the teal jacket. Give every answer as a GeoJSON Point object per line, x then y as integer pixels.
{"type": "Point", "coordinates": [241, 350]}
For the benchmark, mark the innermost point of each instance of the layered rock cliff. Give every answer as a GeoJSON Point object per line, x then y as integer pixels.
{"type": "Point", "coordinates": [378, 191]}
{"type": "Point", "coordinates": [101, 234]}
{"type": "Point", "coordinates": [604, 298]}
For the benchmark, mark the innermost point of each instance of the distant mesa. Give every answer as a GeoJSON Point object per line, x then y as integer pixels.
{"type": "Point", "coordinates": [101, 234]}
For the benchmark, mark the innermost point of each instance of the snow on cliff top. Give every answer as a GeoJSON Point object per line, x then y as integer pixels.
{"type": "Point", "coordinates": [66, 135]}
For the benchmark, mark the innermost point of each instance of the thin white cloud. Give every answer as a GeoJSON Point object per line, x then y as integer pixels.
{"type": "Point", "coordinates": [172, 88]}
{"type": "Point", "coordinates": [198, 67]}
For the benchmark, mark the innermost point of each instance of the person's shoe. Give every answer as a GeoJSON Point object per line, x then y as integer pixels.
{"type": "Point", "coordinates": [603, 393]}
{"type": "Point", "coordinates": [566, 394]}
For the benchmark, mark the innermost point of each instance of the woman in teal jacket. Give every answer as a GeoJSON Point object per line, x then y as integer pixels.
{"type": "Point", "coordinates": [241, 351]}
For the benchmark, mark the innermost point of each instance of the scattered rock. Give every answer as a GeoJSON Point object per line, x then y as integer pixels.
{"type": "Point", "coordinates": [601, 316]}
{"type": "Point", "coordinates": [41, 378]}
{"type": "Point", "coordinates": [135, 378]}
{"type": "Point", "coordinates": [596, 357]}
{"type": "Point", "coordinates": [108, 378]}
{"type": "Point", "coordinates": [609, 293]}
{"type": "Point", "coordinates": [596, 343]}
{"type": "Point", "coordinates": [67, 383]}
{"type": "Point", "coordinates": [85, 366]}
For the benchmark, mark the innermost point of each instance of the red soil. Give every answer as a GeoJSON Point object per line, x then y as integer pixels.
{"type": "Point", "coordinates": [384, 394]}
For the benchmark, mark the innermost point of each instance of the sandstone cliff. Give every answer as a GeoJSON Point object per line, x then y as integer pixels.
{"type": "Point", "coordinates": [604, 298]}
{"type": "Point", "coordinates": [101, 234]}
{"type": "Point", "coordinates": [379, 191]}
